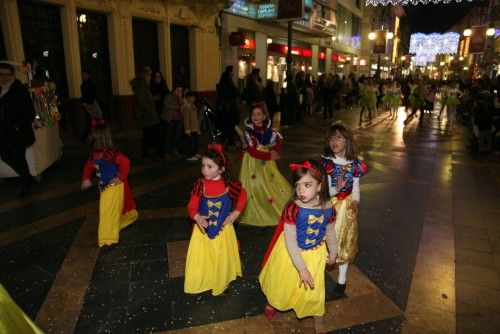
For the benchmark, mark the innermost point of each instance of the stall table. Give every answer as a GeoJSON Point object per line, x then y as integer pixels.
{"type": "Point", "coordinates": [42, 154]}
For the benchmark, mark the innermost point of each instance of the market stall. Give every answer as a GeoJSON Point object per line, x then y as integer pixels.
{"type": "Point", "coordinates": [47, 148]}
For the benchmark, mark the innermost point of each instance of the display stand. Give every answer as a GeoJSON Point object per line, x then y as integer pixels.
{"type": "Point", "coordinates": [42, 154]}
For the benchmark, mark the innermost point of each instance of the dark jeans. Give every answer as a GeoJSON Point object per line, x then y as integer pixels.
{"type": "Point", "coordinates": [15, 157]}
{"type": "Point", "coordinates": [151, 138]}
{"type": "Point", "coordinates": [192, 143]}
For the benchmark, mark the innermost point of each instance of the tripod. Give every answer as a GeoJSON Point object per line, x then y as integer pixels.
{"type": "Point", "coordinates": [207, 113]}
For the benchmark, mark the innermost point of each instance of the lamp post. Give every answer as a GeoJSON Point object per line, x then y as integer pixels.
{"type": "Point", "coordinates": [379, 38]}
{"type": "Point", "coordinates": [477, 40]}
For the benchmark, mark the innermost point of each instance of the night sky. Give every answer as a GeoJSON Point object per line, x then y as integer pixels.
{"type": "Point", "coordinates": [436, 18]}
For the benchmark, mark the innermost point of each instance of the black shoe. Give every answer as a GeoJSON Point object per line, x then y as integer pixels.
{"type": "Point", "coordinates": [339, 290]}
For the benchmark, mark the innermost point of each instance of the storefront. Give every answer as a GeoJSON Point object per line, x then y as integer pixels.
{"type": "Point", "coordinates": [258, 20]}
{"type": "Point", "coordinates": [276, 61]}
{"type": "Point", "coordinates": [246, 57]}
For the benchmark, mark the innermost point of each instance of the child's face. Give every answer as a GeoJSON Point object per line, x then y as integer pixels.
{"type": "Point", "coordinates": [338, 144]}
{"type": "Point", "coordinates": [258, 116]}
{"type": "Point", "coordinates": [190, 99]}
{"type": "Point", "coordinates": [210, 170]}
{"type": "Point", "coordinates": [307, 189]}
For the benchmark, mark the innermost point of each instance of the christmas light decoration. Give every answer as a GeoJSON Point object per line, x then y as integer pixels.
{"type": "Point", "coordinates": [426, 47]}
{"type": "Point", "coordinates": [407, 2]}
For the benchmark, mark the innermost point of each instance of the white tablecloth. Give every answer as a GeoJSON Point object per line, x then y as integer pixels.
{"type": "Point", "coordinates": [44, 152]}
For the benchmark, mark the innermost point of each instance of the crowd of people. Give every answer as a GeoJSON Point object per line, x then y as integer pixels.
{"type": "Point", "coordinates": [171, 120]}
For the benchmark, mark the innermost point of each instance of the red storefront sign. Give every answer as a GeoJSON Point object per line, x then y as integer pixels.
{"type": "Point", "coordinates": [322, 55]}
{"type": "Point", "coordinates": [283, 49]}
{"type": "Point", "coordinates": [335, 58]}
{"type": "Point", "coordinates": [248, 44]}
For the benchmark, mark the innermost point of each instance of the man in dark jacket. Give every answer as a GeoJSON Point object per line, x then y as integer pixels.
{"type": "Point", "coordinates": [16, 132]}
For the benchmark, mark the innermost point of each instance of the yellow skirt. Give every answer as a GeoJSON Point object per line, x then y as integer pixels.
{"type": "Point", "coordinates": [280, 281]}
{"type": "Point", "coordinates": [212, 264]}
{"type": "Point", "coordinates": [12, 318]}
{"type": "Point", "coordinates": [268, 192]}
{"type": "Point", "coordinates": [111, 218]}
{"type": "Point", "coordinates": [346, 229]}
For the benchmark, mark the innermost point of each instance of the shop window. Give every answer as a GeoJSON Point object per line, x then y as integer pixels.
{"type": "Point", "coordinates": [145, 35]}
{"type": "Point", "coordinates": [43, 45]}
{"type": "Point", "coordinates": [246, 58]}
{"type": "Point", "coordinates": [3, 52]}
{"type": "Point", "coordinates": [179, 46]}
{"type": "Point", "coordinates": [94, 48]}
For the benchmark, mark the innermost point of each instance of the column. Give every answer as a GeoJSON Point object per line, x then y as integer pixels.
{"type": "Point", "coordinates": [121, 52]}
{"type": "Point", "coordinates": [314, 61]}
{"type": "Point", "coordinates": [328, 61]}
{"type": "Point", "coordinates": [71, 49]}
{"type": "Point", "coordinates": [229, 53]}
{"type": "Point", "coordinates": [204, 59]}
{"type": "Point", "coordinates": [261, 55]}
{"type": "Point", "coordinates": [164, 48]}
{"type": "Point", "coordinates": [9, 18]}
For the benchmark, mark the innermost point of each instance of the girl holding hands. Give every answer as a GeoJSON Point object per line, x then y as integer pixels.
{"type": "Point", "coordinates": [293, 270]}
{"type": "Point", "coordinates": [340, 158]}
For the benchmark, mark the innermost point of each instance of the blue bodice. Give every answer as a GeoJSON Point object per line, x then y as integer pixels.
{"type": "Point", "coordinates": [311, 226]}
{"type": "Point", "coordinates": [216, 209]}
{"type": "Point", "coordinates": [105, 170]}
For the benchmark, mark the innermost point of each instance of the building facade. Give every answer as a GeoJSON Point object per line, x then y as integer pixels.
{"type": "Point", "coordinates": [112, 39]}
{"type": "Point", "coordinates": [324, 41]}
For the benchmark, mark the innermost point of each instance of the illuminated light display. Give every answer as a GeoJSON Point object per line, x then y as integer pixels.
{"type": "Point", "coordinates": [426, 47]}
{"type": "Point", "coordinates": [407, 2]}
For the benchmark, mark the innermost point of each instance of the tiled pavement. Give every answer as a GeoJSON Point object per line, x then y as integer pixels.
{"type": "Point", "coordinates": [429, 248]}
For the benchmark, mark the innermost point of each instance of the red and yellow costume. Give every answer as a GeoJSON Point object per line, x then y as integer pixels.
{"type": "Point", "coordinates": [213, 260]}
{"type": "Point", "coordinates": [116, 206]}
{"type": "Point", "coordinates": [268, 190]}
{"type": "Point", "coordinates": [279, 277]}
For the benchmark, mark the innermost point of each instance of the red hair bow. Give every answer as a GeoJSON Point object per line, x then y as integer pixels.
{"type": "Point", "coordinates": [218, 148]}
{"type": "Point", "coordinates": [305, 165]}
{"type": "Point", "coordinates": [97, 122]}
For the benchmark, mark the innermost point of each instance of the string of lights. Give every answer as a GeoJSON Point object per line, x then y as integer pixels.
{"type": "Point", "coordinates": [408, 2]}
{"type": "Point", "coordinates": [426, 47]}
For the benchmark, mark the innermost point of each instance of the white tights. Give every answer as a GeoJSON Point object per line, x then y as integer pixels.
{"type": "Point", "coordinates": [342, 273]}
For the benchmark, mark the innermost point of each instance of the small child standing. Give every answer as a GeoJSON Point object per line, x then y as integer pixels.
{"type": "Point", "coordinates": [213, 260]}
{"type": "Point", "coordinates": [191, 126]}
{"type": "Point", "coordinates": [340, 158]}
{"type": "Point", "coordinates": [117, 209]}
{"type": "Point", "coordinates": [293, 270]}
{"type": "Point", "coordinates": [268, 189]}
